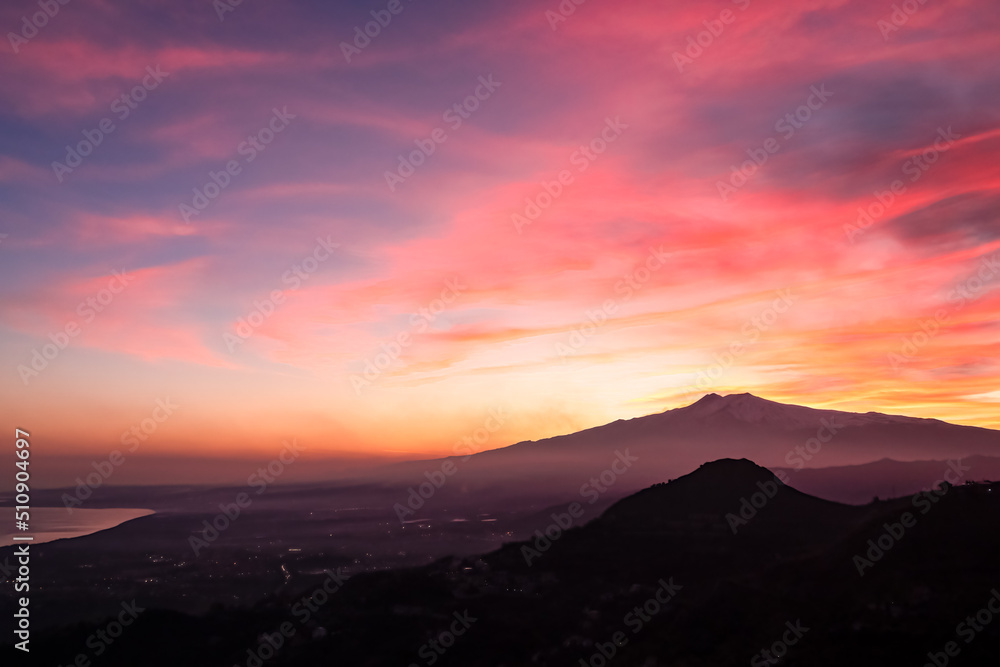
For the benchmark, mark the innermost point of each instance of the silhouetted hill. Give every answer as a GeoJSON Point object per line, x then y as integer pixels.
{"type": "Point", "coordinates": [661, 578]}
{"type": "Point", "coordinates": [715, 489]}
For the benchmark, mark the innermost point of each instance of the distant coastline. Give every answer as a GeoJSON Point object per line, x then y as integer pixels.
{"type": "Point", "coordinates": [56, 523]}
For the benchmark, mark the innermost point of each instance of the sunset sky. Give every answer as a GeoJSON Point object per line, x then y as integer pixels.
{"type": "Point", "coordinates": [581, 169]}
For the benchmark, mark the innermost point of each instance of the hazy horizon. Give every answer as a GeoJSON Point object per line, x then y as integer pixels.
{"type": "Point", "coordinates": [318, 467]}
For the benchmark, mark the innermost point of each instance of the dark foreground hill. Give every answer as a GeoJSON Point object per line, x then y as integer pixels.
{"type": "Point", "coordinates": [724, 566]}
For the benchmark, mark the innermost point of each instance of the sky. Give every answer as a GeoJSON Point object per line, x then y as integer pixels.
{"type": "Point", "coordinates": [224, 227]}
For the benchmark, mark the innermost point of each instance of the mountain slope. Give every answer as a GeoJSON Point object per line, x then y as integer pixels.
{"type": "Point", "coordinates": [673, 442]}
{"type": "Point", "coordinates": [659, 579]}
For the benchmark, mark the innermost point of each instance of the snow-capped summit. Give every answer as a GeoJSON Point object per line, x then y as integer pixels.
{"type": "Point", "coordinates": [755, 410]}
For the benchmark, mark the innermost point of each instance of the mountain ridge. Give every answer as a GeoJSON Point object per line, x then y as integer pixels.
{"type": "Point", "coordinates": [535, 473]}
{"type": "Point", "coordinates": [749, 408]}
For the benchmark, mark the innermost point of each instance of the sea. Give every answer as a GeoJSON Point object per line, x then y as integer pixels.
{"type": "Point", "coordinates": [47, 524]}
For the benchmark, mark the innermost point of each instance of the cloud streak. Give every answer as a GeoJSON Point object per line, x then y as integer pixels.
{"type": "Point", "coordinates": [654, 186]}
